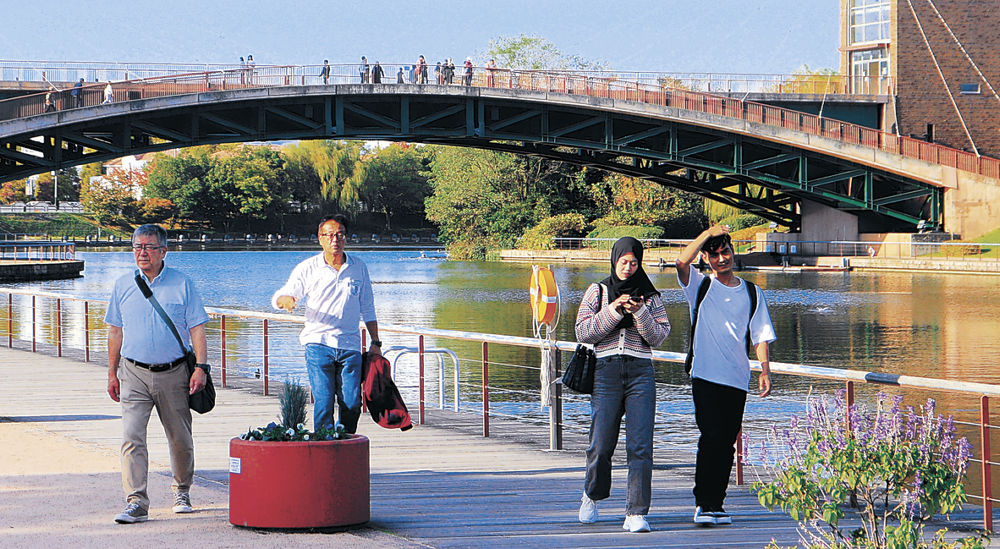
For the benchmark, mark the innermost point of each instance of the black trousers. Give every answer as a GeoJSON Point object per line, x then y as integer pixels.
{"type": "Point", "coordinates": [718, 411]}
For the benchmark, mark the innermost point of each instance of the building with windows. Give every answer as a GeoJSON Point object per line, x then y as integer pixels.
{"type": "Point", "coordinates": [940, 59]}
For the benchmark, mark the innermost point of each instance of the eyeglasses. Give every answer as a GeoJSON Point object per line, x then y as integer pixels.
{"type": "Point", "coordinates": [331, 236]}
{"type": "Point", "coordinates": [147, 247]}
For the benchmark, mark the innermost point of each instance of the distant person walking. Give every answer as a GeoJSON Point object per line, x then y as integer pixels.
{"type": "Point", "coordinates": [468, 71]}
{"type": "Point", "coordinates": [366, 70]}
{"type": "Point", "coordinates": [438, 75]}
{"type": "Point", "coordinates": [325, 71]}
{"type": "Point", "coordinates": [422, 70]}
{"type": "Point", "coordinates": [377, 73]}
{"type": "Point", "coordinates": [400, 77]}
{"type": "Point", "coordinates": [109, 94]}
{"type": "Point", "coordinates": [491, 69]}
{"type": "Point", "coordinates": [147, 368]}
{"type": "Point", "coordinates": [449, 75]}
{"type": "Point", "coordinates": [413, 74]}
{"type": "Point", "coordinates": [49, 106]}
{"type": "Point", "coordinates": [728, 315]}
{"type": "Point", "coordinates": [77, 94]}
{"type": "Point", "coordinates": [623, 316]}
{"type": "Point", "coordinates": [251, 68]}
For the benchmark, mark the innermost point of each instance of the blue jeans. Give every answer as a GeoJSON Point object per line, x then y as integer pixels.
{"type": "Point", "coordinates": [335, 376]}
{"type": "Point", "coordinates": [623, 385]}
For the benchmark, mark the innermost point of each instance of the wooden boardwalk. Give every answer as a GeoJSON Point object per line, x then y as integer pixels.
{"type": "Point", "coordinates": [439, 485]}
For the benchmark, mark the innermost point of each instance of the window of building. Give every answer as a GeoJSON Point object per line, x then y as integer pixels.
{"type": "Point", "coordinates": [869, 21]}
{"type": "Point", "coordinates": [870, 71]}
{"type": "Point", "coordinates": [970, 89]}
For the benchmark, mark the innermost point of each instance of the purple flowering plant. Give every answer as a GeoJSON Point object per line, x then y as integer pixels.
{"type": "Point", "coordinates": [894, 467]}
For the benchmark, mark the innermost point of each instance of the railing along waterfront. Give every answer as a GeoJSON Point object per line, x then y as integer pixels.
{"type": "Point", "coordinates": [943, 250]}
{"type": "Point", "coordinates": [638, 88]}
{"type": "Point", "coordinates": [27, 250]}
{"type": "Point", "coordinates": [65, 325]}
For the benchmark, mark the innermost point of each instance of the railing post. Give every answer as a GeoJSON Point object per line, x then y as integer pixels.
{"type": "Point", "coordinates": [266, 373]}
{"type": "Point", "coordinates": [33, 324]}
{"type": "Point", "coordinates": [739, 458]}
{"type": "Point", "coordinates": [848, 402]}
{"type": "Point", "coordinates": [420, 356]}
{"type": "Point", "coordinates": [222, 331]}
{"type": "Point", "coordinates": [555, 411]}
{"type": "Point", "coordinates": [86, 331]}
{"type": "Point", "coordinates": [58, 327]}
{"type": "Point", "coordinates": [986, 453]}
{"type": "Point", "coordinates": [486, 389]}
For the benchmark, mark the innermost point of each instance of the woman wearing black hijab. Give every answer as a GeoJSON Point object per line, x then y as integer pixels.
{"type": "Point", "coordinates": [624, 318]}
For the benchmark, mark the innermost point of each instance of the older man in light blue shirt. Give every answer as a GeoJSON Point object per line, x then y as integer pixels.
{"type": "Point", "coordinates": [154, 372]}
{"type": "Point", "coordinates": [338, 293]}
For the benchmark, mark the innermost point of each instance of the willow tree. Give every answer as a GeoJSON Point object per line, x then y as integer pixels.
{"type": "Point", "coordinates": [326, 171]}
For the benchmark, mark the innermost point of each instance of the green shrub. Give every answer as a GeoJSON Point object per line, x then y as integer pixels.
{"type": "Point", "coordinates": [615, 232]}
{"type": "Point", "coordinates": [540, 237]}
{"type": "Point", "coordinates": [742, 221]}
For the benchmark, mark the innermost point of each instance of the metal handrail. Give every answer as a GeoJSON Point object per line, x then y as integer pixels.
{"type": "Point", "coordinates": [982, 391]}
{"type": "Point", "coordinates": [591, 84]}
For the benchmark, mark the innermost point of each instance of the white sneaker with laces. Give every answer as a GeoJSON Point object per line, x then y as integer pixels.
{"type": "Point", "coordinates": [722, 517]}
{"type": "Point", "coordinates": [702, 517]}
{"type": "Point", "coordinates": [182, 503]}
{"type": "Point", "coordinates": [133, 513]}
{"type": "Point", "coordinates": [588, 510]}
{"type": "Point", "coordinates": [635, 523]}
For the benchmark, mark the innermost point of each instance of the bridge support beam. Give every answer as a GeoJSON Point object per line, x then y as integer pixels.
{"type": "Point", "coordinates": [821, 222]}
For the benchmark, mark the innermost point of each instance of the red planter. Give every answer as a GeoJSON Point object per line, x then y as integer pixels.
{"type": "Point", "coordinates": [299, 484]}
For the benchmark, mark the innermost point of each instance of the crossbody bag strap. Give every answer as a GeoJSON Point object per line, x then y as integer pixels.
{"type": "Point", "coordinates": [148, 294]}
{"type": "Point", "coordinates": [752, 294]}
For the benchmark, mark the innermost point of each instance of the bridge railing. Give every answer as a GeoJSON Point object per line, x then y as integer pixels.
{"type": "Point", "coordinates": [569, 82]}
{"type": "Point", "coordinates": [253, 350]}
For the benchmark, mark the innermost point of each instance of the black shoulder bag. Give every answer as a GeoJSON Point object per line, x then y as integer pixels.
{"type": "Point", "coordinates": [702, 291]}
{"type": "Point", "coordinates": [579, 375]}
{"type": "Point", "coordinates": [204, 400]}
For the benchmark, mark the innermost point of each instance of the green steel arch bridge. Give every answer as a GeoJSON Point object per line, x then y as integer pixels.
{"type": "Point", "coordinates": [762, 159]}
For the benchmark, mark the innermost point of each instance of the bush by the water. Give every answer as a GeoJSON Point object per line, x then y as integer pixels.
{"type": "Point", "coordinates": [540, 237]}
{"type": "Point", "coordinates": [635, 231]}
{"type": "Point", "coordinates": [742, 221]}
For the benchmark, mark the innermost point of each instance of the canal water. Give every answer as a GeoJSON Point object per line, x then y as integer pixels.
{"type": "Point", "coordinates": [934, 325]}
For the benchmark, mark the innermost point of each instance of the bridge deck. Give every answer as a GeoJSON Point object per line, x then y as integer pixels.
{"type": "Point", "coordinates": [431, 486]}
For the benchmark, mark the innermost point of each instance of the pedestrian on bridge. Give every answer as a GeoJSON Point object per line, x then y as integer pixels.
{"type": "Point", "coordinates": [325, 71]}
{"type": "Point", "coordinates": [154, 373]}
{"type": "Point", "coordinates": [468, 71]}
{"type": "Point", "coordinates": [623, 316]}
{"type": "Point", "coordinates": [77, 94]}
{"type": "Point", "coordinates": [400, 78]}
{"type": "Point", "coordinates": [338, 295]}
{"type": "Point", "coordinates": [377, 73]}
{"type": "Point", "coordinates": [366, 70]}
{"type": "Point", "coordinates": [728, 316]}
{"type": "Point", "coordinates": [109, 94]}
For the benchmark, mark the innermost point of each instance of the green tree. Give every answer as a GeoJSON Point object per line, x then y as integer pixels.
{"type": "Point", "coordinates": [531, 52]}
{"type": "Point", "coordinates": [635, 202]}
{"type": "Point", "coordinates": [13, 191]}
{"type": "Point", "coordinates": [87, 172]}
{"type": "Point", "coordinates": [325, 171]}
{"type": "Point", "coordinates": [69, 185]}
{"type": "Point", "coordinates": [392, 181]}
{"type": "Point", "coordinates": [112, 201]}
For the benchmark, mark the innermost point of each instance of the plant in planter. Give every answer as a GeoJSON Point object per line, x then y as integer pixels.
{"type": "Point", "coordinates": [292, 417]}
{"type": "Point", "coordinates": [284, 476]}
{"type": "Point", "coordinates": [893, 468]}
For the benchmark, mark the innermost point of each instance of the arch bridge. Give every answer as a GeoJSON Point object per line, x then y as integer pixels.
{"type": "Point", "coordinates": [776, 163]}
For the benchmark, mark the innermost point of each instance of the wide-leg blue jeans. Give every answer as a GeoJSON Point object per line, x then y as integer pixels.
{"type": "Point", "coordinates": [335, 377]}
{"type": "Point", "coordinates": [623, 385]}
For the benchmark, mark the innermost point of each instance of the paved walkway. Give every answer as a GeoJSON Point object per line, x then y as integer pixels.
{"type": "Point", "coordinates": [430, 487]}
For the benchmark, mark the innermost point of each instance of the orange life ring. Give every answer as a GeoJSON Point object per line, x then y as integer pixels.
{"type": "Point", "coordinates": [544, 295]}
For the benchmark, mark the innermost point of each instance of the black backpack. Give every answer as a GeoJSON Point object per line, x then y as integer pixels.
{"type": "Point", "coordinates": [702, 291]}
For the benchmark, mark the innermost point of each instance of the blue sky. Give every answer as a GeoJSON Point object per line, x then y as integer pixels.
{"type": "Point", "coordinates": [722, 36]}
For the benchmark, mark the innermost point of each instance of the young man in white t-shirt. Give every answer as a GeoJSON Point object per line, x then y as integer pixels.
{"type": "Point", "coordinates": [720, 369]}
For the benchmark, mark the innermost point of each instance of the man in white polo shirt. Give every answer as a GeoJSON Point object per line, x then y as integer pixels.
{"type": "Point", "coordinates": [338, 294]}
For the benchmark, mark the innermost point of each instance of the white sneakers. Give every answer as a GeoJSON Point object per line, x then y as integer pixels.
{"type": "Point", "coordinates": [635, 523]}
{"type": "Point", "coordinates": [704, 517]}
{"type": "Point", "coordinates": [588, 515]}
{"type": "Point", "coordinates": [588, 510]}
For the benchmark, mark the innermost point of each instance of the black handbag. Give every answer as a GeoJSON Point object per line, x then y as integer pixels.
{"type": "Point", "coordinates": [579, 375]}
{"type": "Point", "coordinates": [204, 400]}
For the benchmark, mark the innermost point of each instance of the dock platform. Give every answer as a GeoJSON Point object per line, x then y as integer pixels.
{"type": "Point", "coordinates": [432, 486]}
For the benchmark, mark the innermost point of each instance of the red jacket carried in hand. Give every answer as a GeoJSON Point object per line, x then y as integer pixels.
{"type": "Point", "coordinates": [381, 395]}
